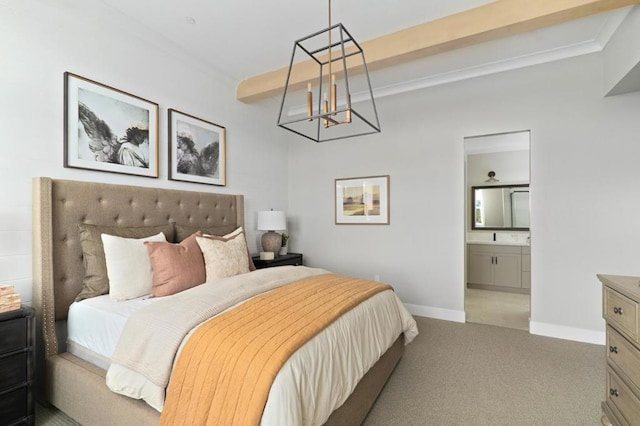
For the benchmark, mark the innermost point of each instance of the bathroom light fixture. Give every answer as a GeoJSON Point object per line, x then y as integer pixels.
{"type": "Point", "coordinates": [492, 177]}
{"type": "Point", "coordinates": [271, 221]}
{"type": "Point", "coordinates": [322, 63]}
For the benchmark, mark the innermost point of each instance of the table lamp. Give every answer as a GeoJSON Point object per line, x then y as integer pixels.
{"type": "Point", "coordinates": [271, 221]}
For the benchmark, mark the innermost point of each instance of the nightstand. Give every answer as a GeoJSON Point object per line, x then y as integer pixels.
{"type": "Point", "coordinates": [294, 259]}
{"type": "Point", "coordinates": [17, 331]}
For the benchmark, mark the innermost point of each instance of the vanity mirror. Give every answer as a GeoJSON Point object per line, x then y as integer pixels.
{"type": "Point", "coordinates": [500, 207]}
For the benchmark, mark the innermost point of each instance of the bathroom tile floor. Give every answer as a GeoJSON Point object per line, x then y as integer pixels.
{"type": "Point", "coordinates": [498, 308]}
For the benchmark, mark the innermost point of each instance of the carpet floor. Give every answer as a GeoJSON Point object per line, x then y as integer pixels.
{"type": "Point", "coordinates": [473, 374]}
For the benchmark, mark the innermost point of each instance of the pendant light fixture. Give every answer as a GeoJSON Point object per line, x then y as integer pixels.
{"type": "Point", "coordinates": [330, 64]}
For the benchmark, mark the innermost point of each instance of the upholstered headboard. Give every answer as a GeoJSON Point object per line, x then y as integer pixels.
{"type": "Point", "coordinates": [60, 205]}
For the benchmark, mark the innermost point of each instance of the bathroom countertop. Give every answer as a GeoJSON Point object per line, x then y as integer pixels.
{"type": "Point", "coordinates": [499, 243]}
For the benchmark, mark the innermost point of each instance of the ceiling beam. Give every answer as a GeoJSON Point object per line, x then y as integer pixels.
{"type": "Point", "coordinates": [494, 20]}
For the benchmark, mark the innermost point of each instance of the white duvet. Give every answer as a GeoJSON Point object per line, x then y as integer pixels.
{"type": "Point", "coordinates": [318, 377]}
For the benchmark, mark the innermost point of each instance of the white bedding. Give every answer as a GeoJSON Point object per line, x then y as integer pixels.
{"type": "Point", "coordinates": [94, 326]}
{"type": "Point", "coordinates": [315, 381]}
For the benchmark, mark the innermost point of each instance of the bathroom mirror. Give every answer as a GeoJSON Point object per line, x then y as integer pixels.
{"type": "Point", "coordinates": [500, 207]}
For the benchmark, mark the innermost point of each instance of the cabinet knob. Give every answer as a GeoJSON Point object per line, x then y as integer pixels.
{"type": "Point", "coordinates": [617, 310]}
{"type": "Point", "coordinates": [614, 392]}
{"type": "Point", "coordinates": [613, 349]}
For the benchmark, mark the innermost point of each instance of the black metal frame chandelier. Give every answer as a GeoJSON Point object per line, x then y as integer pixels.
{"type": "Point", "coordinates": [333, 67]}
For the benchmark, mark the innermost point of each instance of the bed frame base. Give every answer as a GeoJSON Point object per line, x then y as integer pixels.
{"type": "Point", "coordinates": [357, 406]}
{"type": "Point", "coordinates": [81, 393]}
{"type": "Point", "coordinates": [79, 389]}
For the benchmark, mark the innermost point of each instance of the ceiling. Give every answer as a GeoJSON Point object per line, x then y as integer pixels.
{"type": "Point", "coordinates": [244, 38]}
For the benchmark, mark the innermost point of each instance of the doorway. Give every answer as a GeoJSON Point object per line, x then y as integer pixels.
{"type": "Point", "coordinates": [497, 245]}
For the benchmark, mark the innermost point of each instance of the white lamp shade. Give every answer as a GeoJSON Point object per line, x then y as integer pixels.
{"type": "Point", "coordinates": [271, 221]}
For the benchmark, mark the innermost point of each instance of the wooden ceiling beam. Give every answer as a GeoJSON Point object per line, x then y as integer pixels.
{"type": "Point", "coordinates": [494, 20]}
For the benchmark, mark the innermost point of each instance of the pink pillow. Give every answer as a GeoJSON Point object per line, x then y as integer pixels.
{"type": "Point", "coordinates": [176, 267]}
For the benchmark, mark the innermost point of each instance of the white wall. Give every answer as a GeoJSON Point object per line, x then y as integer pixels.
{"type": "Point", "coordinates": [38, 43]}
{"type": "Point", "coordinates": [511, 167]}
{"type": "Point", "coordinates": [584, 182]}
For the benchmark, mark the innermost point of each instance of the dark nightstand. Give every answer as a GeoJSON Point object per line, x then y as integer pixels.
{"type": "Point", "coordinates": [294, 259]}
{"type": "Point", "coordinates": [17, 331]}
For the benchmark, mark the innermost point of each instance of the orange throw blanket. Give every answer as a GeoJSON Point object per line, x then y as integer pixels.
{"type": "Point", "coordinates": [225, 370]}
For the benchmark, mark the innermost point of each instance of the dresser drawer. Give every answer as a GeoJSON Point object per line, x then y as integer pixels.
{"type": "Point", "coordinates": [623, 398]}
{"type": "Point", "coordinates": [13, 405]}
{"type": "Point", "coordinates": [624, 355]}
{"type": "Point", "coordinates": [13, 370]}
{"type": "Point", "coordinates": [13, 335]}
{"type": "Point", "coordinates": [621, 312]}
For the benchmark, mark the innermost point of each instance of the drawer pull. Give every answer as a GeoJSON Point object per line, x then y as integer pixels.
{"type": "Point", "coordinates": [617, 310]}
{"type": "Point", "coordinates": [613, 349]}
{"type": "Point", "coordinates": [614, 392]}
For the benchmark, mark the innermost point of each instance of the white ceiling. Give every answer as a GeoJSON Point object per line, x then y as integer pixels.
{"type": "Point", "coordinates": [243, 38]}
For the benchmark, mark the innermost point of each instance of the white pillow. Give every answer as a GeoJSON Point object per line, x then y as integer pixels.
{"type": "Point", "coordinates": [128, 266]}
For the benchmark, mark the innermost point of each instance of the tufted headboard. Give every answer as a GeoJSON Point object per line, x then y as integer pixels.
{"type": "Point", "coordinates": [60, 205]}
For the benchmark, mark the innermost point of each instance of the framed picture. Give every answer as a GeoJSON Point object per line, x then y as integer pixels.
{"type": "Point", "coordinates": [197, 150]}
{"type": "Point", "coordinates": [362, 201]}
{"type": "Point", "coordinates": [109, 130]}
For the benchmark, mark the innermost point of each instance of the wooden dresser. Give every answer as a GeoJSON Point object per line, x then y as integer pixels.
{"type": "Point", "coordinates": [621, 310]}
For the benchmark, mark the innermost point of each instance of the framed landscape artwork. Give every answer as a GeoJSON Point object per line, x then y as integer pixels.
{"type": "Point", "coordinates": [197, 150]}
{"type": "Point", "coordinates": [362, 201]}
{"type": "Point", "coordinates": [109, 130]}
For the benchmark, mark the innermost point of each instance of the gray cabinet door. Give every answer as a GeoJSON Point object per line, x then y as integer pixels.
{"type": "Point", "coordinates": [526, 268]}
{"type": "Point", "coordinates": [508, 270]}
{"type": "Point", "coordinates": [480, 267]}
{"type": "Point", "coordinates": [496, 265]}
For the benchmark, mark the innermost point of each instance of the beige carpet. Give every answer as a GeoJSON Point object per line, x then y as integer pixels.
{"type": "Point", "coordinates": [497, 308]}
{"type": "Point", "coordinates": [471, 374]}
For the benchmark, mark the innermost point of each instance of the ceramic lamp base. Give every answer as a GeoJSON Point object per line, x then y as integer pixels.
{"type": "Point", "coordinates": [271, 241]}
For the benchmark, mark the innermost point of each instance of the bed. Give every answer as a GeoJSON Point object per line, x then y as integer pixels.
{"type": "Point", "coordinates": [77, 386]}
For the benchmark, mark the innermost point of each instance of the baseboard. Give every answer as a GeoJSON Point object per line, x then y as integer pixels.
{"type": "Point", "coordinates": [537, 328]}
{"type": "Point", "coordinates": [567, 333]}
{"type": "Point", "coordinates": [436, 313]}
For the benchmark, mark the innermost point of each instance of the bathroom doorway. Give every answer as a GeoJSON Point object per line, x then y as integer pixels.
{"type": "Point", "coordinates": [497, 244]}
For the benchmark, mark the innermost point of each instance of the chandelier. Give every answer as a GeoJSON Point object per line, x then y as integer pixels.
{"type": "Point", "coordinates": [332, 65]}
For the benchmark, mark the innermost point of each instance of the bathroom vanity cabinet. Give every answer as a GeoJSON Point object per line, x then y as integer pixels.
{"type": "Point", "coordinates": [495, 266]}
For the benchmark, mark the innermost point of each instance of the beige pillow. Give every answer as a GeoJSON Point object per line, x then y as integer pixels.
{"type": "Point", "coordinates": [216, 232]}
{"type": "Point", "coordinates": [96, 282]}
{"type": "Point", "coordinates": [176, 267]}
{"type": "Point", "coordinates": [185, 231]}
{"type": "Point", "coordinates": [224, 257]}
{"type": "Point", "coordinates": [128, 266]}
